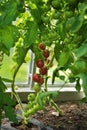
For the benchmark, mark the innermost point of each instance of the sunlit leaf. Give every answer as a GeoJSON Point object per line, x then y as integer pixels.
{"type": "Point", "coordinates": [8, 36]}
{"type": "Point", "coordinates": [31, 34]}
{"type": "Point", "coordinates": [8, 13]}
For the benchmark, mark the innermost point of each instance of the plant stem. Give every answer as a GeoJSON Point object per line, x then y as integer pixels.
{"type": "Point", "coordinates": [45, 83]}
{"type": "Point", "coordinates": [53, 104]}
{"type": "Point", "coordinates": [51, 61]}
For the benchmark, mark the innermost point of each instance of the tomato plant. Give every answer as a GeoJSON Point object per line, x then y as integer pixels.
{"type": "Point", "coordinates": [52, 30]}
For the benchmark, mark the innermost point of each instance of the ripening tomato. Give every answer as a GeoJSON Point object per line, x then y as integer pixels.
{"type": "Point", "coordinates": [36, 77]}
{"type": "Point", "coordinates": [46, 53]}
{"type": "Point", "coordinates": [41, 80]}
{"type": "Point", "coordinates": [43, 70]}
{"type": "Point", "coordinates": [41, 46]}
{"type": "Point", "coordinates": [39, 63]}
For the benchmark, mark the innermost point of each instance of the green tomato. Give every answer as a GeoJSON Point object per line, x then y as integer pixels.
{"type": "Point", "coordinates": [56, 15]}
{"type": "Point", "coordinates": [56, 4]}
{"type": "Point", "coordinates": [31, 97]}
{"type": "Point", "coordinates": [71, 1]}
{"type": "Point", "coordinates": [37, 88]}
{"type": "Point", "coordinates": [79, 66]}
{"type": "Point", "coordinates": [68, 14]}
{"type": "Point", "coordinates": [45, 19]}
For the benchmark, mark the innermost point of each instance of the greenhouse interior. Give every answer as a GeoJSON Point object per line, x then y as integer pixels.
{"type": "Point", "coordinates": [43, 64]}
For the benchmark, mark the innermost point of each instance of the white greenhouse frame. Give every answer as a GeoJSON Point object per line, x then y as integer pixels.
{"type": "Point", "coordinates": [67, 92]}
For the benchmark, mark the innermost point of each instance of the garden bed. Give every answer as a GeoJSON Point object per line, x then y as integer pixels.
{"type": "Point", "coordinates": [74, 118]}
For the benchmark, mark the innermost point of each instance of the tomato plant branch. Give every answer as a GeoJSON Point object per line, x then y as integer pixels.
{"type": "Point", "coordinates": [51, 61]}
{"type": "Point", "coordinates": [53, 104]}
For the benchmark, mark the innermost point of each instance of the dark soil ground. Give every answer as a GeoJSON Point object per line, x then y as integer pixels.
{"type": "Point", "coordinates": [74, 117]}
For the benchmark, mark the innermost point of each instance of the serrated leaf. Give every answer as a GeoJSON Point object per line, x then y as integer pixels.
{"type": "Point", "coordinates": [8, 36]}
{"type": "Point", "coordinates": [30, 35]}
{"type": "Point", "coordinates": [83, 77]}
{"type": "Point", "coordinates": [81, 51]}
{"type": "Point", "coordinates": [8, 13]}
{"type": "Point", "coordinates": [2, 85]}
{"type": "Point", "coordinates": [6, 99]}
{"type": "Point", "coordinates": [10, 113]}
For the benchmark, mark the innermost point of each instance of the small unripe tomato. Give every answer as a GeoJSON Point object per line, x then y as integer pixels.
{"type": "Point", "coordinates": [37, 88]}
{"type": "Point", "coordinates": [31, 96]}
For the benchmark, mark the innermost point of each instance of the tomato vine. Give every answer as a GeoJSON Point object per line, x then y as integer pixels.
{"type": "Point", "coordinates": [39, 25]}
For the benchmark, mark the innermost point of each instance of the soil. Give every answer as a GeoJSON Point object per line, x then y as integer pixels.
{"type": "Point", "coordinates": [74, 117]}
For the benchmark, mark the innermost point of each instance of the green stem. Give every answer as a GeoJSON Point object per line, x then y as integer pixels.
{"type": "Point", "coordinates": [51, 61]}
{"type": "Point", "coordinates": [14, 93]}
{"type": "Point", "coordinates": [46, 78]}
{"type": "Point", "coordinates": [45, 83]}
{"type": "Point", "coordinates": [53, 104]}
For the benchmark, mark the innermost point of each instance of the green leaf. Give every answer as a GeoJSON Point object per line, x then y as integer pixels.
{"type": "Point", "coordinates": [83, 77]}
{"type": "Point", "coordinates": [63, 58]}
{"type": "Point", "coordinates": [31, 34]}
{"type": "Point", "coordinates": [2, 85]}
{"type": "Point", "coordinates": [78, 85]}
{"type": "Point", "coordinates": [7, 80]}
{"type": "Point", "coordinates": [57, 50]}
{"type": "Point", "coordinates": [83, 30]}
{"type": "Point", "coordinates": [8, 12]}
{"type": "Point", "coordinates": [61, 29]}
{"type": "Point", "coordinates": [54, 75]}
{"type": "Point", "coordinates": [77, 23]}
{"type": "Point", "coordinates": [8, 36]}
{"type": "Point", "coordinates": [81, 51]}
{"type": "Point", "coordinates": [82, 7]}
{"type": "Point", "coordinates": [62, 77]}
{"type": "Point", "coordinates": [6, 99]}
{"type": "Point", "coordinates": [10, 113]}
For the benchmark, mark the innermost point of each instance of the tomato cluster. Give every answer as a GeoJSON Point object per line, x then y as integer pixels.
{"type": "Point", "coordinates": [41, 65]}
